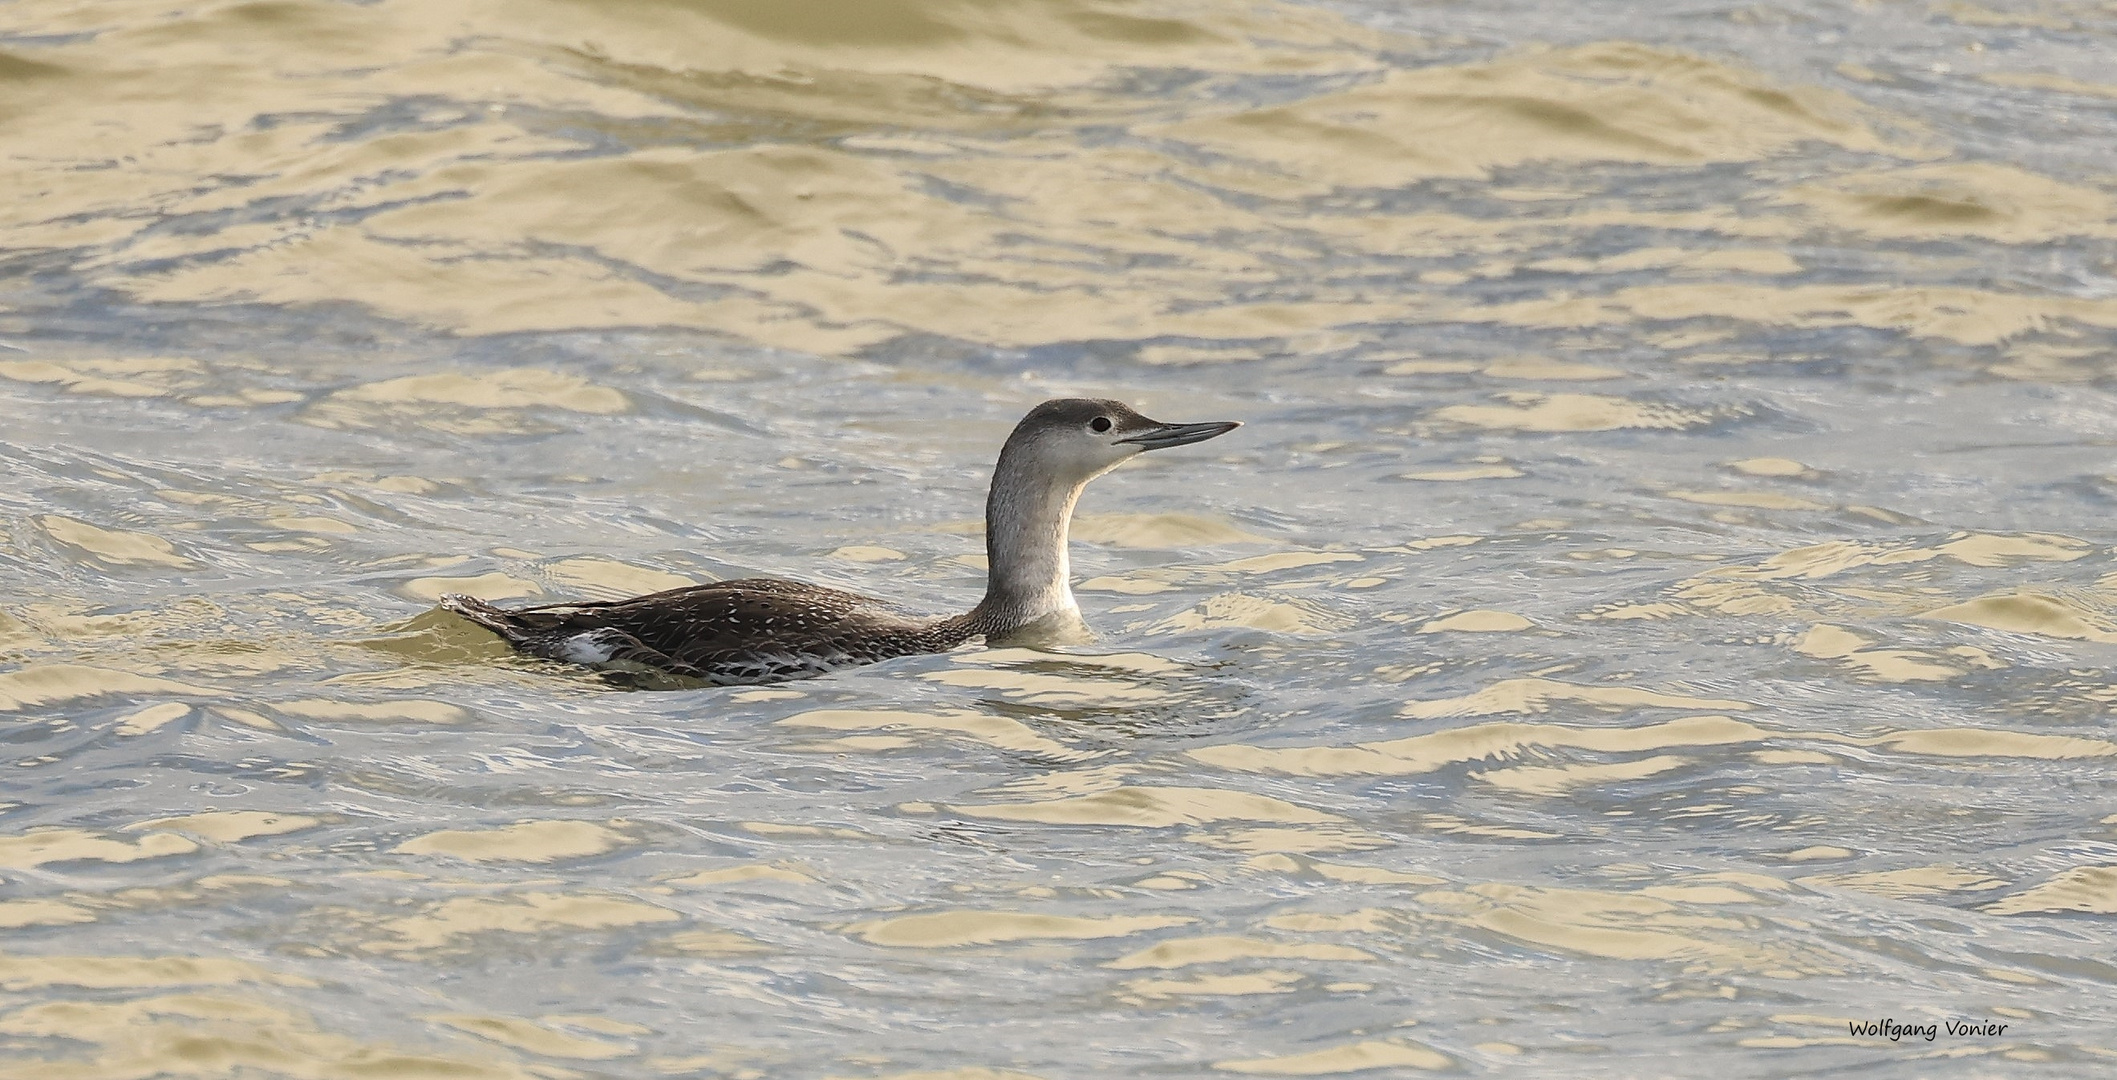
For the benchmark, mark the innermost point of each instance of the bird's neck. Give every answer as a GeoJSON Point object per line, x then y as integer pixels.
{"type": "Point", "coordinates": [1027, 591]}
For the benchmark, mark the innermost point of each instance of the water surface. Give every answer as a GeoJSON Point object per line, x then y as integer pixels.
{"type": "Point", "coordinates": [1659, 609]}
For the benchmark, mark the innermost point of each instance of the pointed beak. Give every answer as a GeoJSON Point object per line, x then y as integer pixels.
{"type": "Point", "coordinates": [1163, 436]}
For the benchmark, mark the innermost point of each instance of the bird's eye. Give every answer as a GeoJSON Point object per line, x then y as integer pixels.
{"type": "Point", "coordinates": [1099, 425]}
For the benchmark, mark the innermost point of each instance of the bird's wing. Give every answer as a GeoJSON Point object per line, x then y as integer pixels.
{"type": "Point", "coordinates": [702, 623]}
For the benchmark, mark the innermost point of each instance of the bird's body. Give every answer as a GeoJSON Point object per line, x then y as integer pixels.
{"type": "Point", "coordinates": [763, 630]}
{"type": "Point", "coordinates": [758, 630]}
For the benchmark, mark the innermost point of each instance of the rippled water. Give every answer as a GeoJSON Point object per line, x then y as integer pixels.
{"type": "Point", "coordinates": [1660, 608]}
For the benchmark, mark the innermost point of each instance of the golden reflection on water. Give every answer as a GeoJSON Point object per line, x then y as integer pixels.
{"type": "Point", "coordinates": [1660, 604]}
{"type": "Point", "coordinates": [482, 224]}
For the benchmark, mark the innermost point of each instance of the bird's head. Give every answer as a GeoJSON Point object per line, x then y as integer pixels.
{"type": "Point", "coordinates": [1075, 440]}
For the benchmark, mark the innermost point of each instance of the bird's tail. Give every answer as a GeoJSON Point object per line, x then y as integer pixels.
{"type": "Point", "coordinates": [497, 620]}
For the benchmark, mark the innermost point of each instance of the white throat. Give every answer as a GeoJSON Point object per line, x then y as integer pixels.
{"type": "Point", "coordinates": [1028, 588]}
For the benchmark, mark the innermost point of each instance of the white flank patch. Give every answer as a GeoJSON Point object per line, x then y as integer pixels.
{"type": "Point", "coordinates": [587, 648]}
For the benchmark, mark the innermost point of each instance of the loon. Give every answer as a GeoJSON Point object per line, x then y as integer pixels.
{"type": "Point", "coordinates": [766, 630]}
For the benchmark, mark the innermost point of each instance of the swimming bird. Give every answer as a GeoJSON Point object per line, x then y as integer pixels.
{"type": "Point", "coordinates": [764, 630]}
